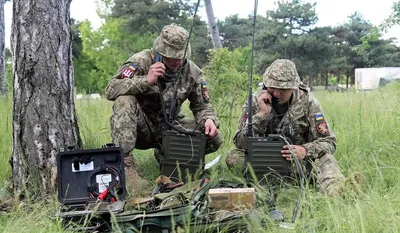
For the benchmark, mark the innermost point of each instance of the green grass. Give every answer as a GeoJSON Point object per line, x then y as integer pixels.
{"type": "Point", "coordinates": [6, 136]}
{"type": "Point", "coordinates": [367, 127]}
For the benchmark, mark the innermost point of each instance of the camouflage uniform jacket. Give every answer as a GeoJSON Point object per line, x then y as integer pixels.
{"type": "Point", "coordinates": [310, 128]}
{"type": "Point", "coordinates": [191, 86]}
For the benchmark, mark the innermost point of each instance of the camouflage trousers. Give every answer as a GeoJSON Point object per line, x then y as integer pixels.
{"type": "Point", "coordinates": [132, 128]}
{"type": "Point", "coordinates": [325, 171]}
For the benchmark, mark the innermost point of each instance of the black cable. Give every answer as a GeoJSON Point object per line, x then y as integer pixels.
{"type": "Point", "coordinates": [184, 131]}
{"type": "Point", "coordinates": [172, 107]}
{"type": "Point", "coordinates": [302, 179]}
{"type": "Point", "coordinates": [103, 169]}
{"type": "Point", "coordinates": [169, 120]}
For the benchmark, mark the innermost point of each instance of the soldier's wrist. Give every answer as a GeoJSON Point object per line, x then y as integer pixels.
{"type": "Point", "coordinates": [261, 116]}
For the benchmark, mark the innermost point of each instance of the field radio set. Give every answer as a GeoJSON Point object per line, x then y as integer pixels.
{"type": "Point", "coordinates": [183, 156]}
{"type": "Point", "coordinates": [91, 186]}
{"type": "Point", "coordinates": [264, 156]}
{"type": "Point", "coordinates": [183, 150]}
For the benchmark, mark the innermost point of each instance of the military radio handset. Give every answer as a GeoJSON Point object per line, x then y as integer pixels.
{"type": "Point", "coordinates": [274, 101]}
{"type": "Point", "coordinates": [158, 58]}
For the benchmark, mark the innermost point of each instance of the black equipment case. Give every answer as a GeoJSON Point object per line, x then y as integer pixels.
{"type": "Point", "coordinates": [264, 156]}
{"type": "Point", "coordinates": [91, 187]}
{"type": "Point", "coordinates": [183, 156]}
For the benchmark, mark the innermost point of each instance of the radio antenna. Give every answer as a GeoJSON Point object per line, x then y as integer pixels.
{"type": "Point", "coordinates": [250, 132]}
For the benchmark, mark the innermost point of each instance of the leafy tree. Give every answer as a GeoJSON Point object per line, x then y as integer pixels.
{"type": "Point", "coordinates": [104, 50]}
{"type": "Point", "coordinates": [295, 15]}
{"type": "Point", "coordinates": [149, 16]}
{"type": "Point", "coordinates": [383, 53]}
{"type": "Point", "coordinates": [394, 17]}
{"type": "Point", "coordinates": [76, 38]}
{"type": "Point", "coordinates": [343, 51]}
{"type": "Point", "coordinates": [236, 32]}
{"type": "Point", "coordinates": [289, 32]}
{"type": "Point", "coordinates": [387, 47]}
{"type": "Point", "coordinates": [146, 17]}
{"type": "Point", "coordinates": [227, 74]}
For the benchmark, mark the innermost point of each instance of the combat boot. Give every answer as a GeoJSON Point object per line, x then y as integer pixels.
{"type": "Point", "coordinates": [136, 186]}
{"type": "Point", "coordinates": [130, 172]}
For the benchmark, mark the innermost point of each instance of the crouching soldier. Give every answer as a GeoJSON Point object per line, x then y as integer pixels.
{"type": "Point", "coordinates": [285, 106]}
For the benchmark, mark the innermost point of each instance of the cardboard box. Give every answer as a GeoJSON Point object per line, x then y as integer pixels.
{"type": "Point", "coordinates": [231, 198]}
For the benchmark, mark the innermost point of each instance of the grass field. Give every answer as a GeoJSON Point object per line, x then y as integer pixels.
{"type": "Point", "coordinates": [367, 126]}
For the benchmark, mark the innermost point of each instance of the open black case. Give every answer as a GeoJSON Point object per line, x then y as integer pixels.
{"type": "Point", "coordinates": [91, 186]}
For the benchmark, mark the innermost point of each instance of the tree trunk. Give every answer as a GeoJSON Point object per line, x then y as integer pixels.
{"type": "Point", "coordinates": [3, 70]}
{"type": "Point", "coordinates": [326, 80]}
{"type": "Point", "coordinates": [44, 117]}
{"type": "Point", "coordinates": [212, 25]}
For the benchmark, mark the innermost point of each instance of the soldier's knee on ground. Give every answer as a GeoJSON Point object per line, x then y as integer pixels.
{"type": "Point", "coordinates": [330, 179]}
{"type": "Point", "coordinates": [215, 143]}
{"type": "Point", "coordinates": [235, 158]}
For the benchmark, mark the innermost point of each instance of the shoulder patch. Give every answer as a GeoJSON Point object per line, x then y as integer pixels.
{"type": "Point", "coordinates": [322, 128]}
{"type": "Point", "coordinates": [204, 91]}
{"type": "Point", "coordinates": [129, 71]}
{"type": "Point", "coordinates": [321, 125]}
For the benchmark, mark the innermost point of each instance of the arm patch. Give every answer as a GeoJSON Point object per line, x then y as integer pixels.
{"type": "Point", "coordinates": [204, 91]}
{"type": "Point", "coordinates": [321, 125]}
{"type": "Point", "coordinates": [129, 71]}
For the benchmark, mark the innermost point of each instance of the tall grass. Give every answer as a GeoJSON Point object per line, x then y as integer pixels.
{"type": "Point", "coordinates": [5, 137]}
{"type": "Point", "coordinates": [367, 128]}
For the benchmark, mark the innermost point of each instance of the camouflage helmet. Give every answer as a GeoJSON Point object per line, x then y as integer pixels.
{"type": "Point", "coordinates": [281, 74]}
{"type": "Point", "coordinates": [172, 41]}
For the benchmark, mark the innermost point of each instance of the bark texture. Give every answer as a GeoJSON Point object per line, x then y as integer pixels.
{"type": "Point", "coordinates": [44, 117]}
{"type": "Point", "coordinates": [212, 25]}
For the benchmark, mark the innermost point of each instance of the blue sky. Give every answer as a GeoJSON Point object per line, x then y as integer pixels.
{"type": "Point", "coordinates": [330, 13]}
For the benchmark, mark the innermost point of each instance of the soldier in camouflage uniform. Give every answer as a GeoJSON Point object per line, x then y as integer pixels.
{"type": "Point", "coordinates": [285, 106]}
{"type": "Point", "coordinates": [137, 120]}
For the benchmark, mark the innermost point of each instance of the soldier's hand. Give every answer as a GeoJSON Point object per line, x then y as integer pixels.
{"type": "Point", "coordinates": [298, 151]}
{"type": "Point", "coordinates": [264, 101]}
{"type": "Point", "coordinates": [210, 128]}
{"type": "Point", "coordinates": [156, 70]}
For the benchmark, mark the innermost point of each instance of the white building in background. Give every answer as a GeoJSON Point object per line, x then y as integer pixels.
{"type": "Point", "coordinates": [372, 78]}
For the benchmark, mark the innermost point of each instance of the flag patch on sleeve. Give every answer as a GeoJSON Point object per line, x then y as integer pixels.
{"type": "Point", "coordinates": [129, 71]}
{"type": "Point", "coordinates": [321, 125]}
{"type": "Point", "coordinates": [319, 116]}
{"type": "Point", "coordinates": [204, 91]}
